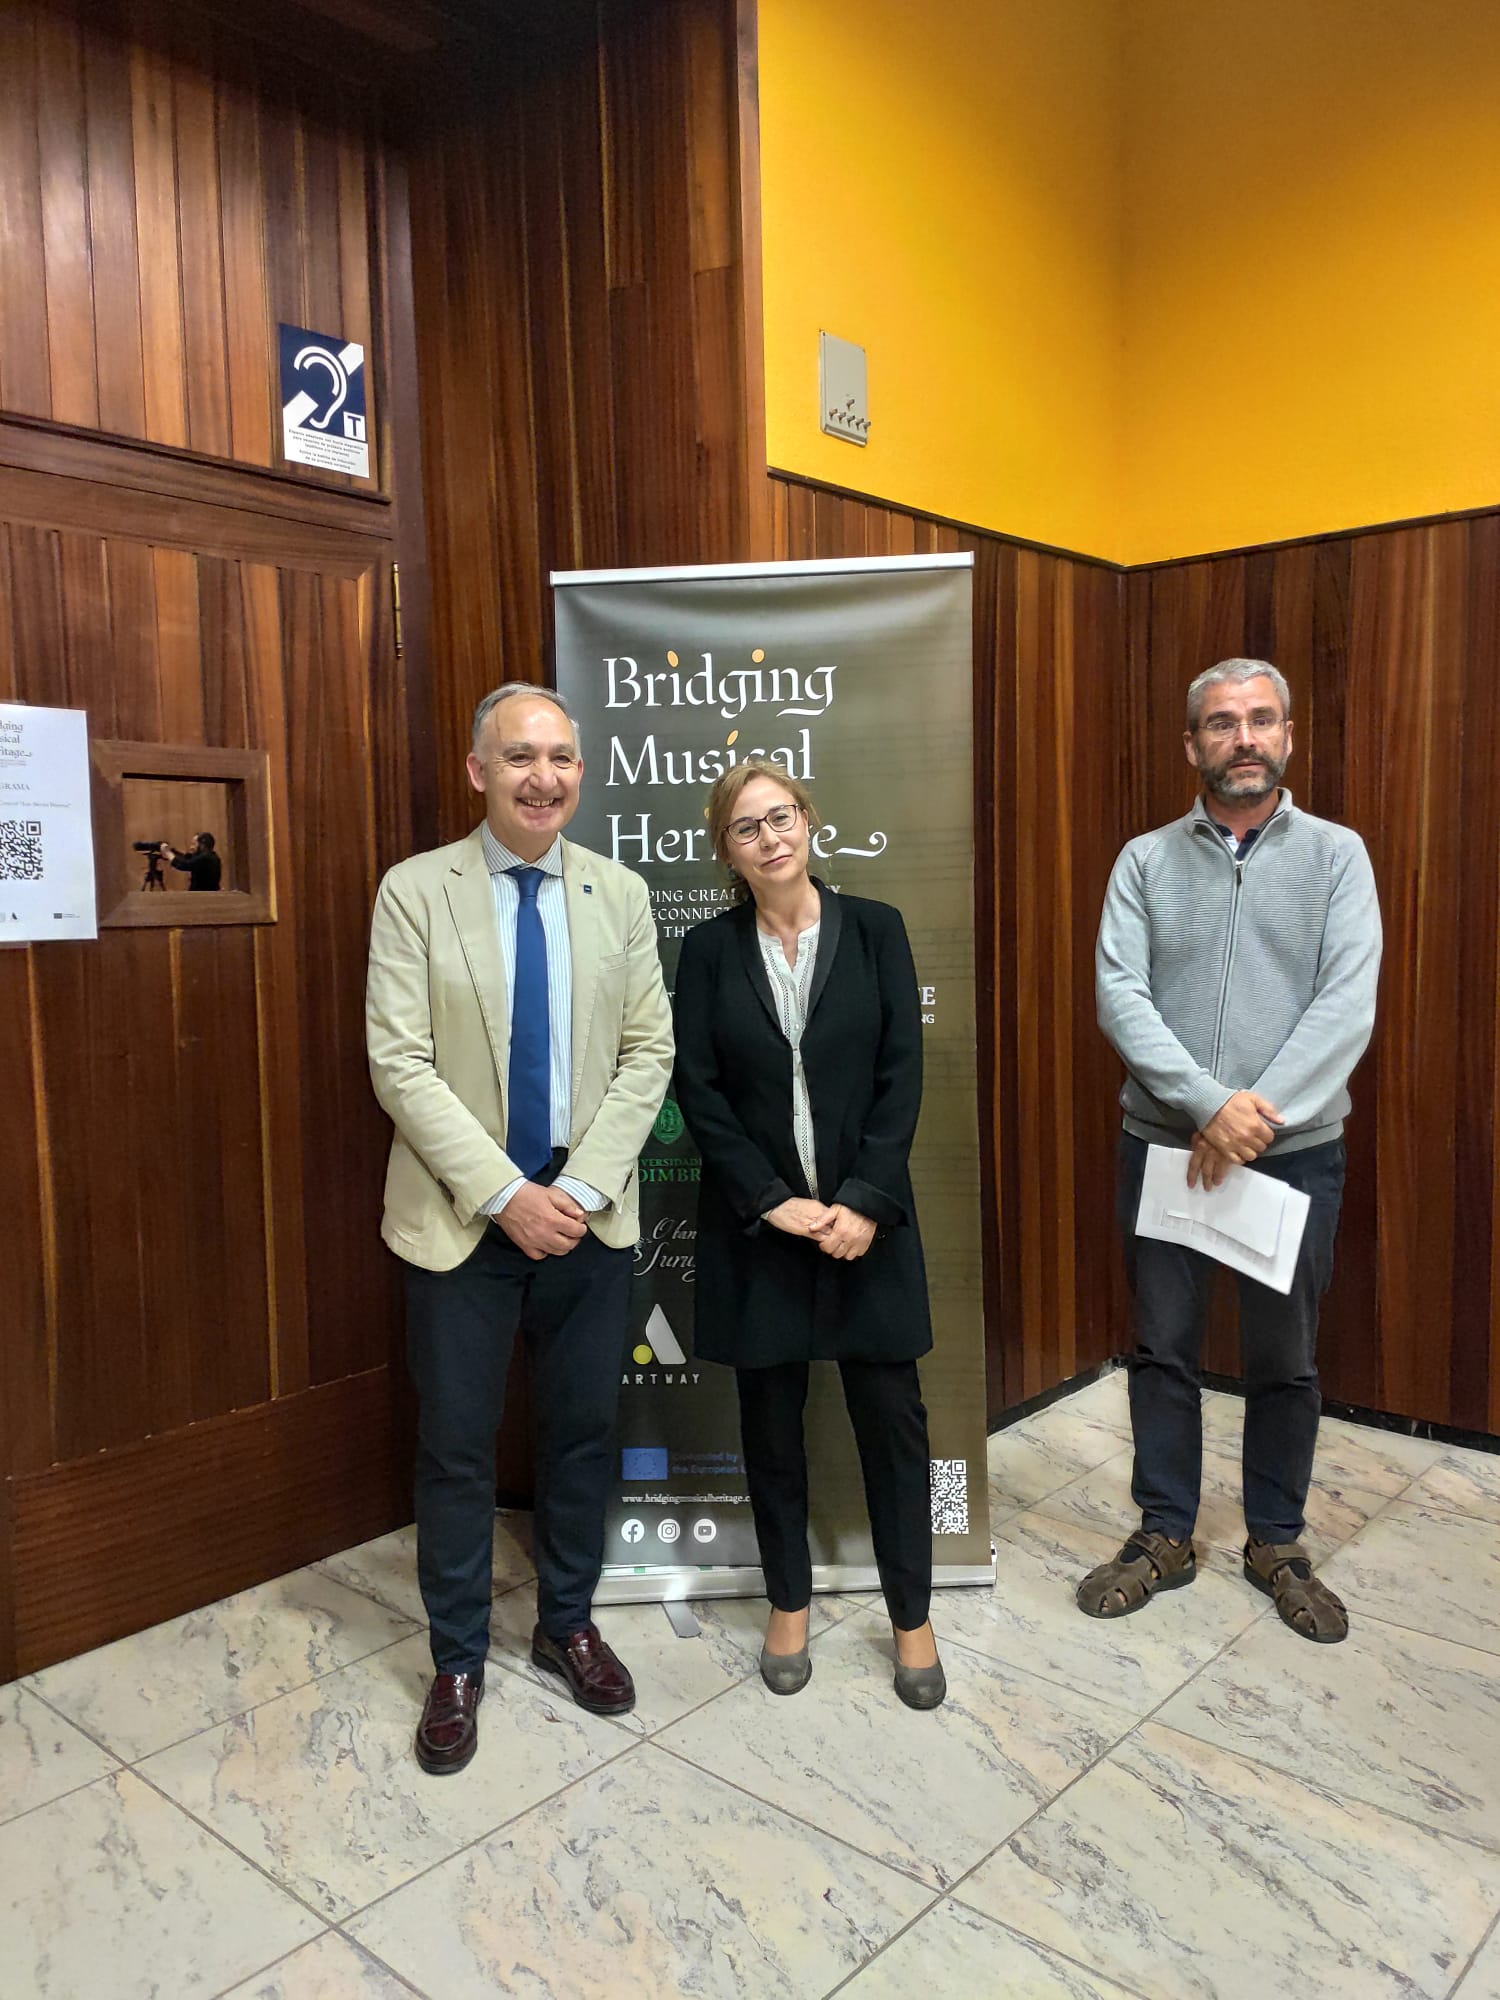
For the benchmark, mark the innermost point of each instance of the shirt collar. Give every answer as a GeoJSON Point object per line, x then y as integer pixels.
{"type": "Point", "coordinates": [1247, 840]}
{"type": "Point", "coordinates": [499, 859]}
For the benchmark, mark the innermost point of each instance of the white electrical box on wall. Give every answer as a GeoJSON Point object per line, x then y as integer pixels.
{"type": "Point", "coordinates": [843, 392]}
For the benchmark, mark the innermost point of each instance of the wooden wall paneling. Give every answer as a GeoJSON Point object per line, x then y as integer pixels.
{"type": "Point", "coordinates": [177, 1208]}
{"type": "Point", "coordinates": [1329, 745]}
{"type": "Point", "coordinates": [996, 846]}
{"type": "Point", "coordinates": [199, 222]}
{"type": "Point", "coordinates": [514, 561]}
{"type": "Point", "coordinates": [25, 368]}
{"type": "Point", "coordinates": [718, 318]}
{"type": "Point", "coordinates": [566, 319]}
{"type": "Point", "coordinates": [126, 1539]}
{"type": "Point", "coordinates": [27, 1271]}
{"type": "Point", "coordinates": [179, 645]}
{"type": "Point", "coordinates": [62, 145]}
{"type": "Point", "coordinates": [409, 685]}
{"type": "Point", "coordinates": [646, 142]}
{"type": "Point", "coordinates": [279, 1037]}
{"type": "Point", "coordinates": [215, 1189]}
{"type": "Point", "coordinates": [131, 643]}
{"type": "Point", "coordinates": [1393, 659]}
{"type": "Point", "coordinates": [84, 605]}
{"type": "Point", "coordinates": [573, 150]}
{"type": "Point", "coordinates": [154, 147]}
{"type": "Point", "coordinates": [1332, 747]}
{"type": "Point", "coordinates": [344, 1135]}
{"type": "Point", "coordinates": [114, 249]}
{"type": "Point", "coordinates": [36, 616]}
{"type": "Point", "coordinates": [252, 383]}
{"type": "Point", "coordinates": [194, 1216]}
{"type": "Point", "coordinates": [221, 666]}
{"type": "Point", "coordinates": [477, 449]}
{"type": "Point", "coordinates": [1476, 1169]}
{"type": "Point", "coordinates": [1100, 725]}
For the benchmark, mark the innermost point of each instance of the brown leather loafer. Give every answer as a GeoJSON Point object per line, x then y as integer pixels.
{"type": "Point", "coordinates": [448, 1734]}
{"type": "Point", "coordinates": [596, 1679]}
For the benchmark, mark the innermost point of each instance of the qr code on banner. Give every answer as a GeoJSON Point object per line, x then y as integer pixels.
{"type": "Point", "coordinates": [20, 850]}
{"type": "Point", "coordinates": [950, 1496]}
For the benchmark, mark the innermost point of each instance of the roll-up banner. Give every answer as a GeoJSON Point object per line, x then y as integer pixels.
{"type": "Point", "coordinates": [857, 676]}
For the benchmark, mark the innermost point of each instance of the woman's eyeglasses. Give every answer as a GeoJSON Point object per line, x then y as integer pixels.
{"type": "Point", "coordinates": [780, 819]}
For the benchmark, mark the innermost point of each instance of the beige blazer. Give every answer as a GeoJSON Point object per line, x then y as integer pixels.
{"type": "Point", "coordinates": [438, 1034]}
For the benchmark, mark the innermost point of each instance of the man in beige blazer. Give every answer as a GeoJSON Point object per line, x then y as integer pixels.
{"type": "Point", "coordinates": [521, 1042]}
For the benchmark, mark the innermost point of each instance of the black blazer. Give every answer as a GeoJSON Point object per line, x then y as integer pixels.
{"type": "Point", "coordinates": [763, 1297]}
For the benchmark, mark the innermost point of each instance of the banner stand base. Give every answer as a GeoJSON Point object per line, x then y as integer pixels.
{"type": "Point", "coordinates": [668, 1585]}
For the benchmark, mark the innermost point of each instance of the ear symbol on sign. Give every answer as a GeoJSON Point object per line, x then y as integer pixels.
{"type": "Point", "coordinates": [319, 357]}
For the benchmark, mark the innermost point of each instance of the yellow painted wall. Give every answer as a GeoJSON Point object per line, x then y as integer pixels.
{"type": "Point", "coordinates": [1142, 278]}
{"type": "Point", "coordinates": [1312, 289]}
{"type": "Point", "coordinates": [942, 185]}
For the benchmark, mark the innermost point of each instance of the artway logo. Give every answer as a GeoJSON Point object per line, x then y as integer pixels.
{"type": "Point", "coordinates": [660, 1344]}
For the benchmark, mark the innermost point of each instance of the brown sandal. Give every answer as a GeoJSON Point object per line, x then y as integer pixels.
{"type": "Point", "coordinates": [1284, 1571]}
{"type": "Point", "coordinates": [1147, 1563]}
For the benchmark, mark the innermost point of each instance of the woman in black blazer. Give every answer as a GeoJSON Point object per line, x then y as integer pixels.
{"type": "Point", "coordinates": [799, 1073]}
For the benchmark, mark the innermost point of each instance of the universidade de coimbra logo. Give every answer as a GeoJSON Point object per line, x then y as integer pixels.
{"type": "Point", "coordinates": [668, 1126]}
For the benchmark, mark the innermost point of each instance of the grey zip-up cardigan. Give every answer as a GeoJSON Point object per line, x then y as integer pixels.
{"type": "Point", "coordinates": [1214, 975]}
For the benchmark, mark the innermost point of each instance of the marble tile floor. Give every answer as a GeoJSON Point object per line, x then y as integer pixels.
{"type": "Point", "coordinates": [1188, 1804]}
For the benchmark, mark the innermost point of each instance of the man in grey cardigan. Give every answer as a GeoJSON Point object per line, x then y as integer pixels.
{"type": "Point", "coordinates": [1236, 971]}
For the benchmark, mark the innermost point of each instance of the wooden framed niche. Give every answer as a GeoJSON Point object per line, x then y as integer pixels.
{"type": "Point", "coordinates": [146, 793]}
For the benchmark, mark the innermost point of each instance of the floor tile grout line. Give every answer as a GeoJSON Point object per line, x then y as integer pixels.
{"type": "Point", "coordinates": [270, 1965]}
{"type": "Point", "coordinates": [71, 1793]}
{"type": "Point", "coordinates": [511, 1819]}
{"type": "Point", "coordinates": [968, 1909]}
{"type": "Point", "coordinates": [1091, 1694]}
{"type": "Point", "coordinates": [401, 1979]}
{"type": "Point", "coordinates": [322, 1916]}
{"type": "Point", "coordinates": [880, 1860]}
{"type": "Point", "coordinates": [1473, 1957]}
{"type": "Point", "coordinates": [1093, 1765]}
{"type": "Point", "coordinates": [323, 1919]}
{"type": "Point", "coordinates": [800, 1819]}
{"type": "Point", "coordinates": [225, 1721]}
{"type": "Point", "coordinates": [750, 1673]}
{"type": "Point", "coordinates": [396, 1610]}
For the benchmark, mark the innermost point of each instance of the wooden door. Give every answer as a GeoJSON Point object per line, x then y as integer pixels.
{"type": "Point", "coordinates": [200, 1381]}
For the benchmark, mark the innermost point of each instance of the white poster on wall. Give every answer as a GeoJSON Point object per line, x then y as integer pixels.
{"type": "Point", "coordinates": [46, 825]}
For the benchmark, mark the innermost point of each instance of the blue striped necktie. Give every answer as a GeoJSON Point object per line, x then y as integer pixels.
{"type": "Point", "coordinates": [528, 1137]}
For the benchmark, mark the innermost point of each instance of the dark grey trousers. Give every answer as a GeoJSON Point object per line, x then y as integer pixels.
{"type": "Point", "coordinates": [1278, 1335]}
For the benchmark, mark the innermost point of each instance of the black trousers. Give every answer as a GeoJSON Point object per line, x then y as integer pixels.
{"type": "Point", "coordinates": [1278, 1335]}
{"type": "Point", "coordinates": [884, 1400]}
{"type": "Point", "coordinates": [461, 1325]}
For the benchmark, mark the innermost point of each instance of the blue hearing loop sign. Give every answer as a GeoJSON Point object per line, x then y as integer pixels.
{"type": "Point", "coordinates": [323, 417]}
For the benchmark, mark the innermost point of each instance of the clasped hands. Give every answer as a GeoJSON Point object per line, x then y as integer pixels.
{"type": "Point", "coordinates": [838, 1231]}
{"type": "Point", "coordinates": [1238, 1133]}
{"type": "Point", "coordinates": [542, 1221]}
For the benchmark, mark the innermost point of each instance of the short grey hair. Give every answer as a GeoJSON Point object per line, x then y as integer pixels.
{"type": "Point", "coordinates": [508, 691]}
{"type": "Point", "coordinates": [1235, 673]}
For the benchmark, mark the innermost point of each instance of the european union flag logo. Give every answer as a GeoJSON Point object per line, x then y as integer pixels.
{"type": "Point", "coordinates": [644, 1462]}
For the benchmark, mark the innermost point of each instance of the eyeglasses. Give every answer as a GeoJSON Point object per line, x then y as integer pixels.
{"type": "Point", "coordinates": [1262, 723]}
{"type": "Point", "coordinates": [780, 819]}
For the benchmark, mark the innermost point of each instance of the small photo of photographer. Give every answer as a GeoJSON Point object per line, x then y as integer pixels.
{"type": "Point", "coordinates": [201, 863]}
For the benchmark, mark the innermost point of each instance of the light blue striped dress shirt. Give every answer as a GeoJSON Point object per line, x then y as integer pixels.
{"type": "Point", "coordinates": [552, 907]}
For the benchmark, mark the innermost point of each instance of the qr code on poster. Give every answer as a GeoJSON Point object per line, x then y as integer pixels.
{"type": "Point", "coordinates": [950, 1496]}
{"type": "Point", "coordinates": [20, 850]}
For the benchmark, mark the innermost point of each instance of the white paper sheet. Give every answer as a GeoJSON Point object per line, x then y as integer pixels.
{"type": "Point", "coordinates": [1252, 1222]}
{"type": "Point", "coordinates": [46, 825]}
